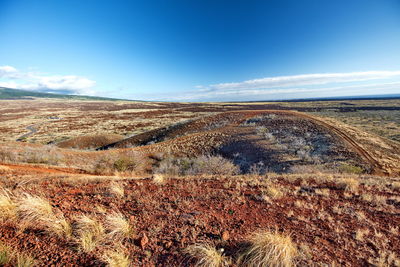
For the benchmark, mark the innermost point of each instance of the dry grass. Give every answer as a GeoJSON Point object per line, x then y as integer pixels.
{"type": "Point", "coordinates": [349, 184]}
{"type": "Point", "coordinates": [24, 260]}
{"type": "Point", "coordinates": [207, 256]}
{"type": "Point", "coordinates": [6, 254]}
{"type": "Point", "coordinates": [273, 192]}
{"type": "Point", "coordinates": [11, 257]}
{"type": "Point", "coordinates": [37, 212]}
{"type": "Point", "coordinates": [116, 258]}
{"type": "Point", "coordinates": [8, 208]}
{"type": "Point", "coordinates": [158, 178]}
{"type": "Point", "coordinates": [34, 211]}
{"type": "Point", "coordinates": [117, 189]}
{"type": "Point", "coordinates": [360, 234]}
{"type": "Point", "coordinates": [269, 249]}
{"type": "Point", "coordinates": [119, 228]}
{"type": "Point", "coordinates": [91, 233]}
{"type": "Point", "coordinates": [59, 226]}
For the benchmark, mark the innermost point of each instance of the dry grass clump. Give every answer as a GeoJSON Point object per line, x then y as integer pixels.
{"type": "Point", "coordinates": [117, 189]}
{"type": "Point", "coordinates": [158, 178]}
{"type": "Point", "coordinates": [24, 260]}
{"type": "Point", "coordinates": [119, 228]}
{"type": "Point", "coordinates": [59, 226]}
{"type": "Point", "coordinates": [6, 254]}
{"type": "Point", "coordinates": [9, 256]}
{"type": "Point", "coordinates": [8, 208]}
{"type": "Point", "coordinates": [273, 192]}
{"type": "Point", "coordinates": [35, 211]}
{"type": "Point", "coordinates": [269, 249]}
{"type": "Point", "coordinates": [117, 258]}
{"type": "Point", "coordinates": [91, 233]}
{"type": "Point", "coordinates": [349, 184]}
{"type": "Point", "coordinates": [207, 256]}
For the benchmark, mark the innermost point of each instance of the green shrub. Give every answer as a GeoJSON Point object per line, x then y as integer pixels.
{"type": "Point", "coordinates": [347, 168]}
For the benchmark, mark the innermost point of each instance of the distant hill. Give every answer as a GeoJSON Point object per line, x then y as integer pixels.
{"type": "Point", "coordinates": [8, 93]}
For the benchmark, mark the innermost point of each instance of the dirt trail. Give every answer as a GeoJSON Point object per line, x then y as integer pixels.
{"type": "Point", "coordinates": [34, 128]}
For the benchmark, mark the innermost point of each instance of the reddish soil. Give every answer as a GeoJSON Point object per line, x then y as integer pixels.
{"type": "Point", "coordinates": [182, 212]}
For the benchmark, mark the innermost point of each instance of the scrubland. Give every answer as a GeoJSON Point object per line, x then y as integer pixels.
{"type": "Point", "coordinates": [201, 185]}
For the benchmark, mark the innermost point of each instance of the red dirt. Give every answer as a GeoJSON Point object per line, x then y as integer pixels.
{"type": "Point", "coordinates": [186, 211]}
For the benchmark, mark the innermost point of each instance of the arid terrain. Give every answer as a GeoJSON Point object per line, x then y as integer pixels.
{"type": "Point", "coordinates": [124, 183]}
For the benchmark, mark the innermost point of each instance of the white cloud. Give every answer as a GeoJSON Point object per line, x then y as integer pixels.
{"type": "Point", "coordinates": [7, 71]}
{"type": "Point", "coordinates": [39, 82]}
{"type": "Point", "coordinates": [305, 79]}
{"type": "Point", "coordinates": [297, 86]}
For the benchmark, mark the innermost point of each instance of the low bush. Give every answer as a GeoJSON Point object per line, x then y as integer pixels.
{"type": "Point", "coordinates": [347, 168]}
{"type": "Point", "coordinates": [211, 165]}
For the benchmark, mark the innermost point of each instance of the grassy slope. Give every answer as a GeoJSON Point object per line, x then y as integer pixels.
{"type": "Point", "coordinates": [7, 93]}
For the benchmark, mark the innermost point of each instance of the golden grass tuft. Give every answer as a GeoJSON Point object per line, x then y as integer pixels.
{"type": "Point", "coordinates": [24, 260]}
{"type": "Point", "coordinates": [272, 192]}
{"type": "Point", "coordinates": [91, 233]}
{"type": "Point", "coordinates": [8, 209]}
{"type": "Point", "coordinates": [269, 249]}
{"type": "Point", "coordinates": [119, 228]}
{"type": "Point", "coordinates": [117, 189]}
{"type": "Point", "coordinates": [207, 256]}
{"type": "Point", "coordinates": [349, 184]}
{"type": "Point", "coordinates": [116, 258]}
{"type": "Point", "coordinates": [158, 178]}
{"type": "Point", "coordinates": [34, 211]}
{"type": "Point", "coordinates": [6, 254]}
{"type": "Point", "coordinates": [59, 226]}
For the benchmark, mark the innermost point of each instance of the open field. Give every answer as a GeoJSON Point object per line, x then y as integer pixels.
{"type": "Point", "coordinates": [101, 183]}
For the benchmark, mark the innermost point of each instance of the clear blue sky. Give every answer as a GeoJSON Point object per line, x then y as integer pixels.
{"type": "Point", "coordinates": [201, 50]}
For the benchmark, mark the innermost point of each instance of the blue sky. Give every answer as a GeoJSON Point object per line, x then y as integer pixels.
{"type": "Point", "coordinates": [201, 50]}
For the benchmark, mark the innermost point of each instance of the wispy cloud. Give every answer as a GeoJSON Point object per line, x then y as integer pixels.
{"type": "Point", "coordinates": [292, 86]}
{"type": "Point", "coordinates": [7, 71]}
{"type": "Point", "coordinates": [305, 79]}
{"type": "Point", "coordinates": [12, 78]}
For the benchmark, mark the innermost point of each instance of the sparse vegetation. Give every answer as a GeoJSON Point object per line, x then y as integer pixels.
{"type": "Point", "coordinates": [117, 189]}
{"type": "Point", "coordinates": [91, 233]}
{"type": "Point", "coordinates": [269, 249]}
{"type": "Point", "coordinates": [207, 181]}
{"type": "Point", "coordinates": [34, 211]}
{"type": "Point", "coordinates": [117, 258]}
{"type": "Point", "coordinates": [8, 208]}
{"type": "Point", "coordinates": [207, 256]}
{"type": "Point", "coordinates": [12, 257]}
{"type": "Point", "coordinates": [24, 260]}
{"type": "Point", "coordinates": [6, 254]}
{"type": "Point", "coordinates": [200, 165]}
{"type": "Point", "coordinates": [119, 228]}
